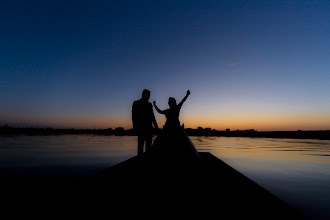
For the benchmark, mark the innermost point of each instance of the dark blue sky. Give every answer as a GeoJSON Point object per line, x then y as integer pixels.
{"type": "Point", "coordinates": [248, 64]}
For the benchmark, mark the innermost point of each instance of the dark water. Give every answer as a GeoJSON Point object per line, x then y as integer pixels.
{"type": "Point", "coordinates": [297, 171]}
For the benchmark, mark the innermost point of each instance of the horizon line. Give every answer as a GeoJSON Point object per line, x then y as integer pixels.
{"type": "Point", "coordinates": [212, 129]}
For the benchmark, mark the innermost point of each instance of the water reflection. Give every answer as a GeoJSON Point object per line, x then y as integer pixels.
{"type": "Point", "coordinates": [62, 156]}
{"type": "Point", "coordinates": [297, 171]}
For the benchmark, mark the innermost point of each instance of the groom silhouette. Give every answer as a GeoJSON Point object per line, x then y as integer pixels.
{"type": "Point", "coordinates": [143, 118]}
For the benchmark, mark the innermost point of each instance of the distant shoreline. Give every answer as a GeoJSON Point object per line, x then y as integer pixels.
{"type": "Point", "coordinates": [321, 134]}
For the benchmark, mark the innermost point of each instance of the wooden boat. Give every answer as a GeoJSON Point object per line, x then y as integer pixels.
{"type": "Point", "coordinates": [151, 186]}
{"type": "Point", "coordinates": [204, 188]}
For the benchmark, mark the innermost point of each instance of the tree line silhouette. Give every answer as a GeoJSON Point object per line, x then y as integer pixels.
{"type": "Point", "coordinates": [120, 131]}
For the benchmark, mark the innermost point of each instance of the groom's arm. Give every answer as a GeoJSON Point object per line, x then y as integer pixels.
{"type": "Point", "coordinates": [154, 122]}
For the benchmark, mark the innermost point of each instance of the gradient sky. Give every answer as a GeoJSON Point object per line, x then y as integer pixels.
{"type": "Point", "coordinates": [248, 64]}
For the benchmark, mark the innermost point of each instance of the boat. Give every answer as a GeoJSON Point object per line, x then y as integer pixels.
{"type": "Point", "coordinates": [205, 188]}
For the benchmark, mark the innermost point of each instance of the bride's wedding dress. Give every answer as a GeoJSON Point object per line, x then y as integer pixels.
{"type": "Point", "coordinates": [172, 141]}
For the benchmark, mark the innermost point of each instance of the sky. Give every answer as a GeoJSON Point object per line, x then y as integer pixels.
{"type": "Point", "coordinates": [262, 65]}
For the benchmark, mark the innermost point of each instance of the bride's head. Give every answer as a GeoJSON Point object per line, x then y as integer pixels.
{"type": "Point", "coordinates": [171, 102]}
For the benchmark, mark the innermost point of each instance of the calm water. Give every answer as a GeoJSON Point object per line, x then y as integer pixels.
{"type": "Point", "coordinates": [297, 171]}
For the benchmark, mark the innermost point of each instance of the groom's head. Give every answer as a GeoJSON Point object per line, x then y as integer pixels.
{"type": "Point", "coordinates": [146, 94]}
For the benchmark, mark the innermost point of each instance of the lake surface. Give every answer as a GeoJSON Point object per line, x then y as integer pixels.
{"type": "Point", "coordinates": [296, 171]}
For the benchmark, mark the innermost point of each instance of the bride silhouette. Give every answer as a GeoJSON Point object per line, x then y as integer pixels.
{"type": "Point", "coordinates": [172, 141]}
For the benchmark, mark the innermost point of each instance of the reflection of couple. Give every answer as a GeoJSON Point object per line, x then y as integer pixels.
{"type": "Point", "coordinates": [172, 140]}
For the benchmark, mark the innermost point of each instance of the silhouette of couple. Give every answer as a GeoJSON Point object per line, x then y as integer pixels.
{"type": "Point", "coordinates": [171, 141]}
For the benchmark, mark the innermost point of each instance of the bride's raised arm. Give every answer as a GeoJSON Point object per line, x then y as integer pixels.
{"type": "Point", "coordinates": [158, 110]}
{"type": "Point", "coordinates": [184, 99]}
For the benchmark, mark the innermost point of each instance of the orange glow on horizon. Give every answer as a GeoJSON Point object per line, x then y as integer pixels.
{"type": "Point", "coordinates": [219, 121]}
{"type": "Point", "coordinates": [261, 121]}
